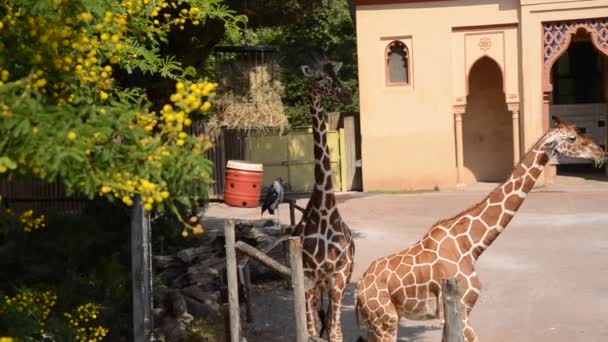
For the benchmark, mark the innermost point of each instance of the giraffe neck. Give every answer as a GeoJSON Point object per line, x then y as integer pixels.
{"type": "Point", "coordinates": [490, 217]}
{"type": "Point", "coordinates": [323, 180]}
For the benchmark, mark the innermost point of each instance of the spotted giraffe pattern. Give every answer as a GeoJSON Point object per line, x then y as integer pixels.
{"type": "Point", "coordinates": [407, 284]}
{"type": "Point", "coordinates": [328, 249]}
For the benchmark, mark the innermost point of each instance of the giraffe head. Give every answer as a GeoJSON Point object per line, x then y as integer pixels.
{"type": "Point", "coordinates": [564, 139]}
{"type": "Point", "coordinates": [322, 78]}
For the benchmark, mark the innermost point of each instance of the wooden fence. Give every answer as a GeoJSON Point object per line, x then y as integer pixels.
{"type": "Point", "coordinates": [295, 273]}
{"type": "Point", "coordinates": [452, 329]}
{"type": "Point", "coordinates": [228, 144]}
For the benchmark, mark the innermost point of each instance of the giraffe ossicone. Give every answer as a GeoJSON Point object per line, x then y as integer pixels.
{"type": "Point", "coordinates": [328, 248]}
{"type": "Point", "coordinates": [407, 284]}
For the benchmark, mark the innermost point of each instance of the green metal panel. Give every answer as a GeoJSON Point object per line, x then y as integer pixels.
{"type": "Point", "coordinates": [291, 156]}
{"type": "Point", "coordinates": [270, 150]}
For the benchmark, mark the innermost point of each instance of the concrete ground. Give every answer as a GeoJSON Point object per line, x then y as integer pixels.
{"type": "Point", "coordinates": [544, 279]}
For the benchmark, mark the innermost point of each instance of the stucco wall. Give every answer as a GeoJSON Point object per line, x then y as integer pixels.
{"type": "Point", "coordinates": [408, 139]}
{"type": "Point", "coordinates": [408, 132]}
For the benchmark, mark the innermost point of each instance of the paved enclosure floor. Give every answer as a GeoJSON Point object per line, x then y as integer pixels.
{"type": "Point", "coordinates": [544, 279]}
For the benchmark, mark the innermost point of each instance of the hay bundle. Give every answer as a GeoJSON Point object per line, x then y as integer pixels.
{"type": "Point", "coordinates": [250, 100]}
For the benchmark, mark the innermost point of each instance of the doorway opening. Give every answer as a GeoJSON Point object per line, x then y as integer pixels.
{"type": "Point", "coordinates": [487, 126]}
{"type": "Point", "coordinates": [579, 96]}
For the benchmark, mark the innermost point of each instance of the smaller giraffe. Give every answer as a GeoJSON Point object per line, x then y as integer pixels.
{"type": "Point", "coordinates": [327, 245]}
{"type": "Point", "coordinates": [407, 284]}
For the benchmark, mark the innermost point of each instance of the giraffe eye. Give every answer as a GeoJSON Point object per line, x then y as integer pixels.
{"type": "Point", "coordinates": [572, 138]}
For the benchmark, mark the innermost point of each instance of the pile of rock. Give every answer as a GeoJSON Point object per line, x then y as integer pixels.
{"type": "Point", "coordinates": [195, 280]}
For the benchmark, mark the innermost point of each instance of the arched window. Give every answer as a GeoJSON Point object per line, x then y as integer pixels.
{"type": "Point", "coordinates": [397, 64]}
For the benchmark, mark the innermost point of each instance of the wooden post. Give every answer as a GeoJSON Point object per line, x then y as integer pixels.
{"type": "Point", "coordinates": [262, 257]}
{"type": "Point", "coordinates": [452, 329]}
{"type": "Point", "coordinates": [141, 274]}
{"type": "Point", "coordinates": [233, 285]}
{"type": "Point", "coordinates": [292, 213]}
{"type": "Point", "coordinates": [297, 279]}
{"type": "Point", "coordinates": [247, 282]}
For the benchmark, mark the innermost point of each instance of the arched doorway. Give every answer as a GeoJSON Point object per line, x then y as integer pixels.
{"type": "Point", "coordinates": [575, 51]}
{"type": "Point", "coordinates": [579, 96]}
{"type": "Point", "coordinates": [486, 126]}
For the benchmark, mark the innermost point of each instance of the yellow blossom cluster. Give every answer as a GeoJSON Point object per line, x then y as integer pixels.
{"type": "Point", "coordinates": [63, 56]}
{"type": "Point", "coordinates": [35, 303]}
{"type": "Point", "coordinates": [4, 74]}
{"type": "Point", "coordinates": [173, 13]}
{"type": "Point", "coordinates": [81, 318]}
{"type": "Point", "coordinates": [6, 339]}
{"type": "Point", "coordinates": [125, 185]}
{"type": "Point", "coordinates": [186, 99]}
{"type": "Point", "coordinates": [29, 222]}
{"type": "Point", "coordinates": [80, 49]}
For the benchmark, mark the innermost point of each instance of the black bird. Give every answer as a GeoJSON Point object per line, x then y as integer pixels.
{"type": "Point", "coordinates": [274, 196]}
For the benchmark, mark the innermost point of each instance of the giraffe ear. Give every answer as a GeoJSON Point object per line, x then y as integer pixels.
{"type": "Point", "coordinates": [307, 71]}
{"type": "Point", "coordinates": [336, 66]}
{"type": "Point", "coordinates": [557, 120]}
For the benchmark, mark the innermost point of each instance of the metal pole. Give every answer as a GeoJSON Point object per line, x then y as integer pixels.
{"type": "Point", "coordinates": [141, 274]}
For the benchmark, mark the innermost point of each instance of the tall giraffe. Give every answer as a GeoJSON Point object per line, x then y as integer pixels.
{"type": "Point", "coordinates": [328, 249]}
{"type": "Point", "coordinates": [407, 284]}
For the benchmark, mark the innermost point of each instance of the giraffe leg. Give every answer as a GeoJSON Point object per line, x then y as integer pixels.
{"type": "Point", "coordinates": [377, 310]}
{"type": "Point", "coordinates": [383, 324]}
{"type": "Point", "coordinates": [469, 332]}
{"type": "Point", "coordinates": [336, 293]}
{"type": "Point", "coordinates": [312, 306]}
{"type": "Point", "coordinates": [469, 298]}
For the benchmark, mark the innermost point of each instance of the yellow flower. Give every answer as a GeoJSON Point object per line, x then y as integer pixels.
{"type": "Point", "coordinates": [105, 36]}
{"type": "Point", "coordinates": [165, 194]}
{"type": "Point", "coordinates": [72, 136]}
{"type": "Point", "coordinates": [208, 89]}
{"type": "Point", "coordinates": [206, 106]}
{"type": "Point", "coordinates": [187, 122]}
{"type": "Point", "coordinates": [105, 189]}
{"type": "Point", "coordinates": [198, 230]}
{"type": "Point", "coordinates": [127, 200]}
{"type": "Point", "coordinates": [103, 95]}
{"type": "Point", "coordinates": [35, 170]}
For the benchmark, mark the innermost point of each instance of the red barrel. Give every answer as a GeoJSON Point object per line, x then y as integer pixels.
{"type": "Point", "coordinates": [243, 184]}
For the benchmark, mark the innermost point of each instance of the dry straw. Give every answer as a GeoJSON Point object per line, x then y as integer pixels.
{"type": "Point", "coordinates": [250, 100]}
